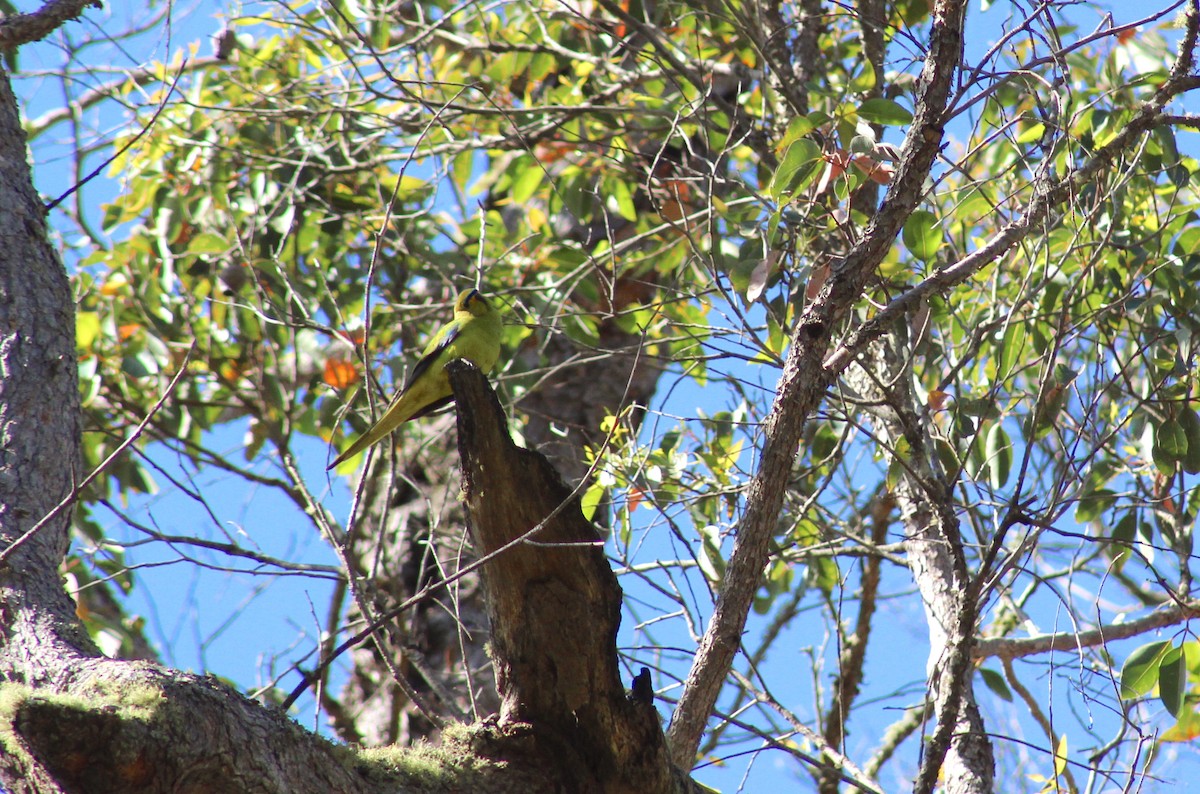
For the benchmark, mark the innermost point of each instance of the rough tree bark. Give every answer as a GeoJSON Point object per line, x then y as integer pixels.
{"type": "Point", "coordinates": [555, 607]}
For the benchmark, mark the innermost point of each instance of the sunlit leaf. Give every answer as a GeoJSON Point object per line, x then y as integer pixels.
{"type": "Point", "coordinates": [340, 373]}
{"type": "Point", "coordinates": [87, 328]}
{"type": "Point", "coordinates": [885, 112]}
{"type": "Point", "coordinates": [923, 235]}
{"type": "Point", "coordinates": [591, 499]}
{"type": "Point", "coordinates": [999, 453]}
{"type": "Point", "coordinates": [1186, 727]}
{"type": "Point", "coordinates": [1060, 756]}
{"type": "Point", "coordinates": [797, 168]}
{"type": "Point", "coordinates": [1140, 673]}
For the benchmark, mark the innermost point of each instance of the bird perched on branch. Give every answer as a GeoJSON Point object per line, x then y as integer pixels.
{"type": "Point", "coordinates": [473, 334]}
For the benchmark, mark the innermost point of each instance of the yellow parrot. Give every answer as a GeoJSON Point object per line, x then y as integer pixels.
{"type": "Point", "coordinates": [473, 334]}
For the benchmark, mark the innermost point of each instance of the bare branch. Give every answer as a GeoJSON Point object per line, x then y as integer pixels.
{"type": "Point", "coordinates": [1006, 648]}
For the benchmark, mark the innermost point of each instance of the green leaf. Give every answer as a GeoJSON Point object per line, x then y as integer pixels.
{"type": "Point", "coordinates": [527, 182]}
{"type": "Point", "coordinates": [1093, 505]}
{"type": "Point", "coordinates": [864, 81]}
{"type": "Point", "coordinates": [622, 196]}
{"type": "Point", "coordinates": [1012, 348]}
{"type": "Point", "coordinates": [1031, 133]}
{"type": "Point", "coordinates": [712, 564]}
{"type": "Point", "coordinates": [1169, 446]}
{"type": "Point", "coordinates": [139, 365]}
{"type": "Point", "coordinates": [995, 682]}
{"type": "Point", "coordinates": [825, 574]}
{"type": "Point", "coordinates": [797, 129]}
{"type": "Point", "coordinates": [1172, 680]}
{"type": "Point", "coordinates": [999, 456]}
{"type": "Point", "coordinates": [87, 328]}
{"type": "Point", "coordinates": [899, 463]}
{"type": "Point", "coordinates": [1191, 656]}
{"type": "Point", "coordinates": [796, 169]}
{"type": "Point", "coordinates": [885, 112]}
{"type": "Point", "coordinates": [1190, 421]}
{"type": "Point", "coordinates": [1139, 675]}
{"type": "Point", "coordinates": [1172, 439]}
{"type": "Point", "coordinates": [1188, 241]}
{"type": "Point", "coordinates": [208, 243]}
{"type": "Point", "coordinates": [1122, 535]}
{"type": "Point", "coordinates": [923, 235]}
{"type": "Point", "coordinates": [982, 407]}
{"type": "Point", "coordinates": [947, 455]}
{"type": "Point", "coordinates": [591, 500]}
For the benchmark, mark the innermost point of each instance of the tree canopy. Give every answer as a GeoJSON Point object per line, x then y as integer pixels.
{"type": "Point", "coordinates": [866, 335]}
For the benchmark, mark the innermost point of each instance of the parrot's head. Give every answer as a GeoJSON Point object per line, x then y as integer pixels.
{"type": "Point", "coordinates": [471, 301]}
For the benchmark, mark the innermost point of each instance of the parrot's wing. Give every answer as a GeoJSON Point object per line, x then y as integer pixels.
{"type": "Point", "coordinates": [436, 405]}
{"type": "Point", "coordinates": [436, 346]}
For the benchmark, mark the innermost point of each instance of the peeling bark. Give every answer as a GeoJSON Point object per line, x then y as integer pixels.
{"type": "Point", "coordinates": [882, 383]}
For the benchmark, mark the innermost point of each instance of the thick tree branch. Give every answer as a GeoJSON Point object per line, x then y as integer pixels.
{"type": "Point", "coordinates": [23, 28]}
{"type": "Point", "coordinates": [127, 726]}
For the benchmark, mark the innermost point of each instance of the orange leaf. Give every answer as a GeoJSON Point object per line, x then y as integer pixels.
{"type": "Point", "coordinates": [553, 151]}
{"type": "Point", "coordinates": [340, 373]}
{"type": "Point", "coordinates": [231, 370]}
{"type": "Point", "coordinates": [878, 173]}
{"type": "Point", "coordinates": [1186, 728]}
{"type": "Point", "coordinates": [114, 284]}
{"type": "Point", "coordinates": [355, 337]}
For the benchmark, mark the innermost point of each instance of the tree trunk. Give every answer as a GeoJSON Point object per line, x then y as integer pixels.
{"type": "Point", "coordinates": [555, 608]}
{"type": "Point", "coordinates": [39, 420]}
